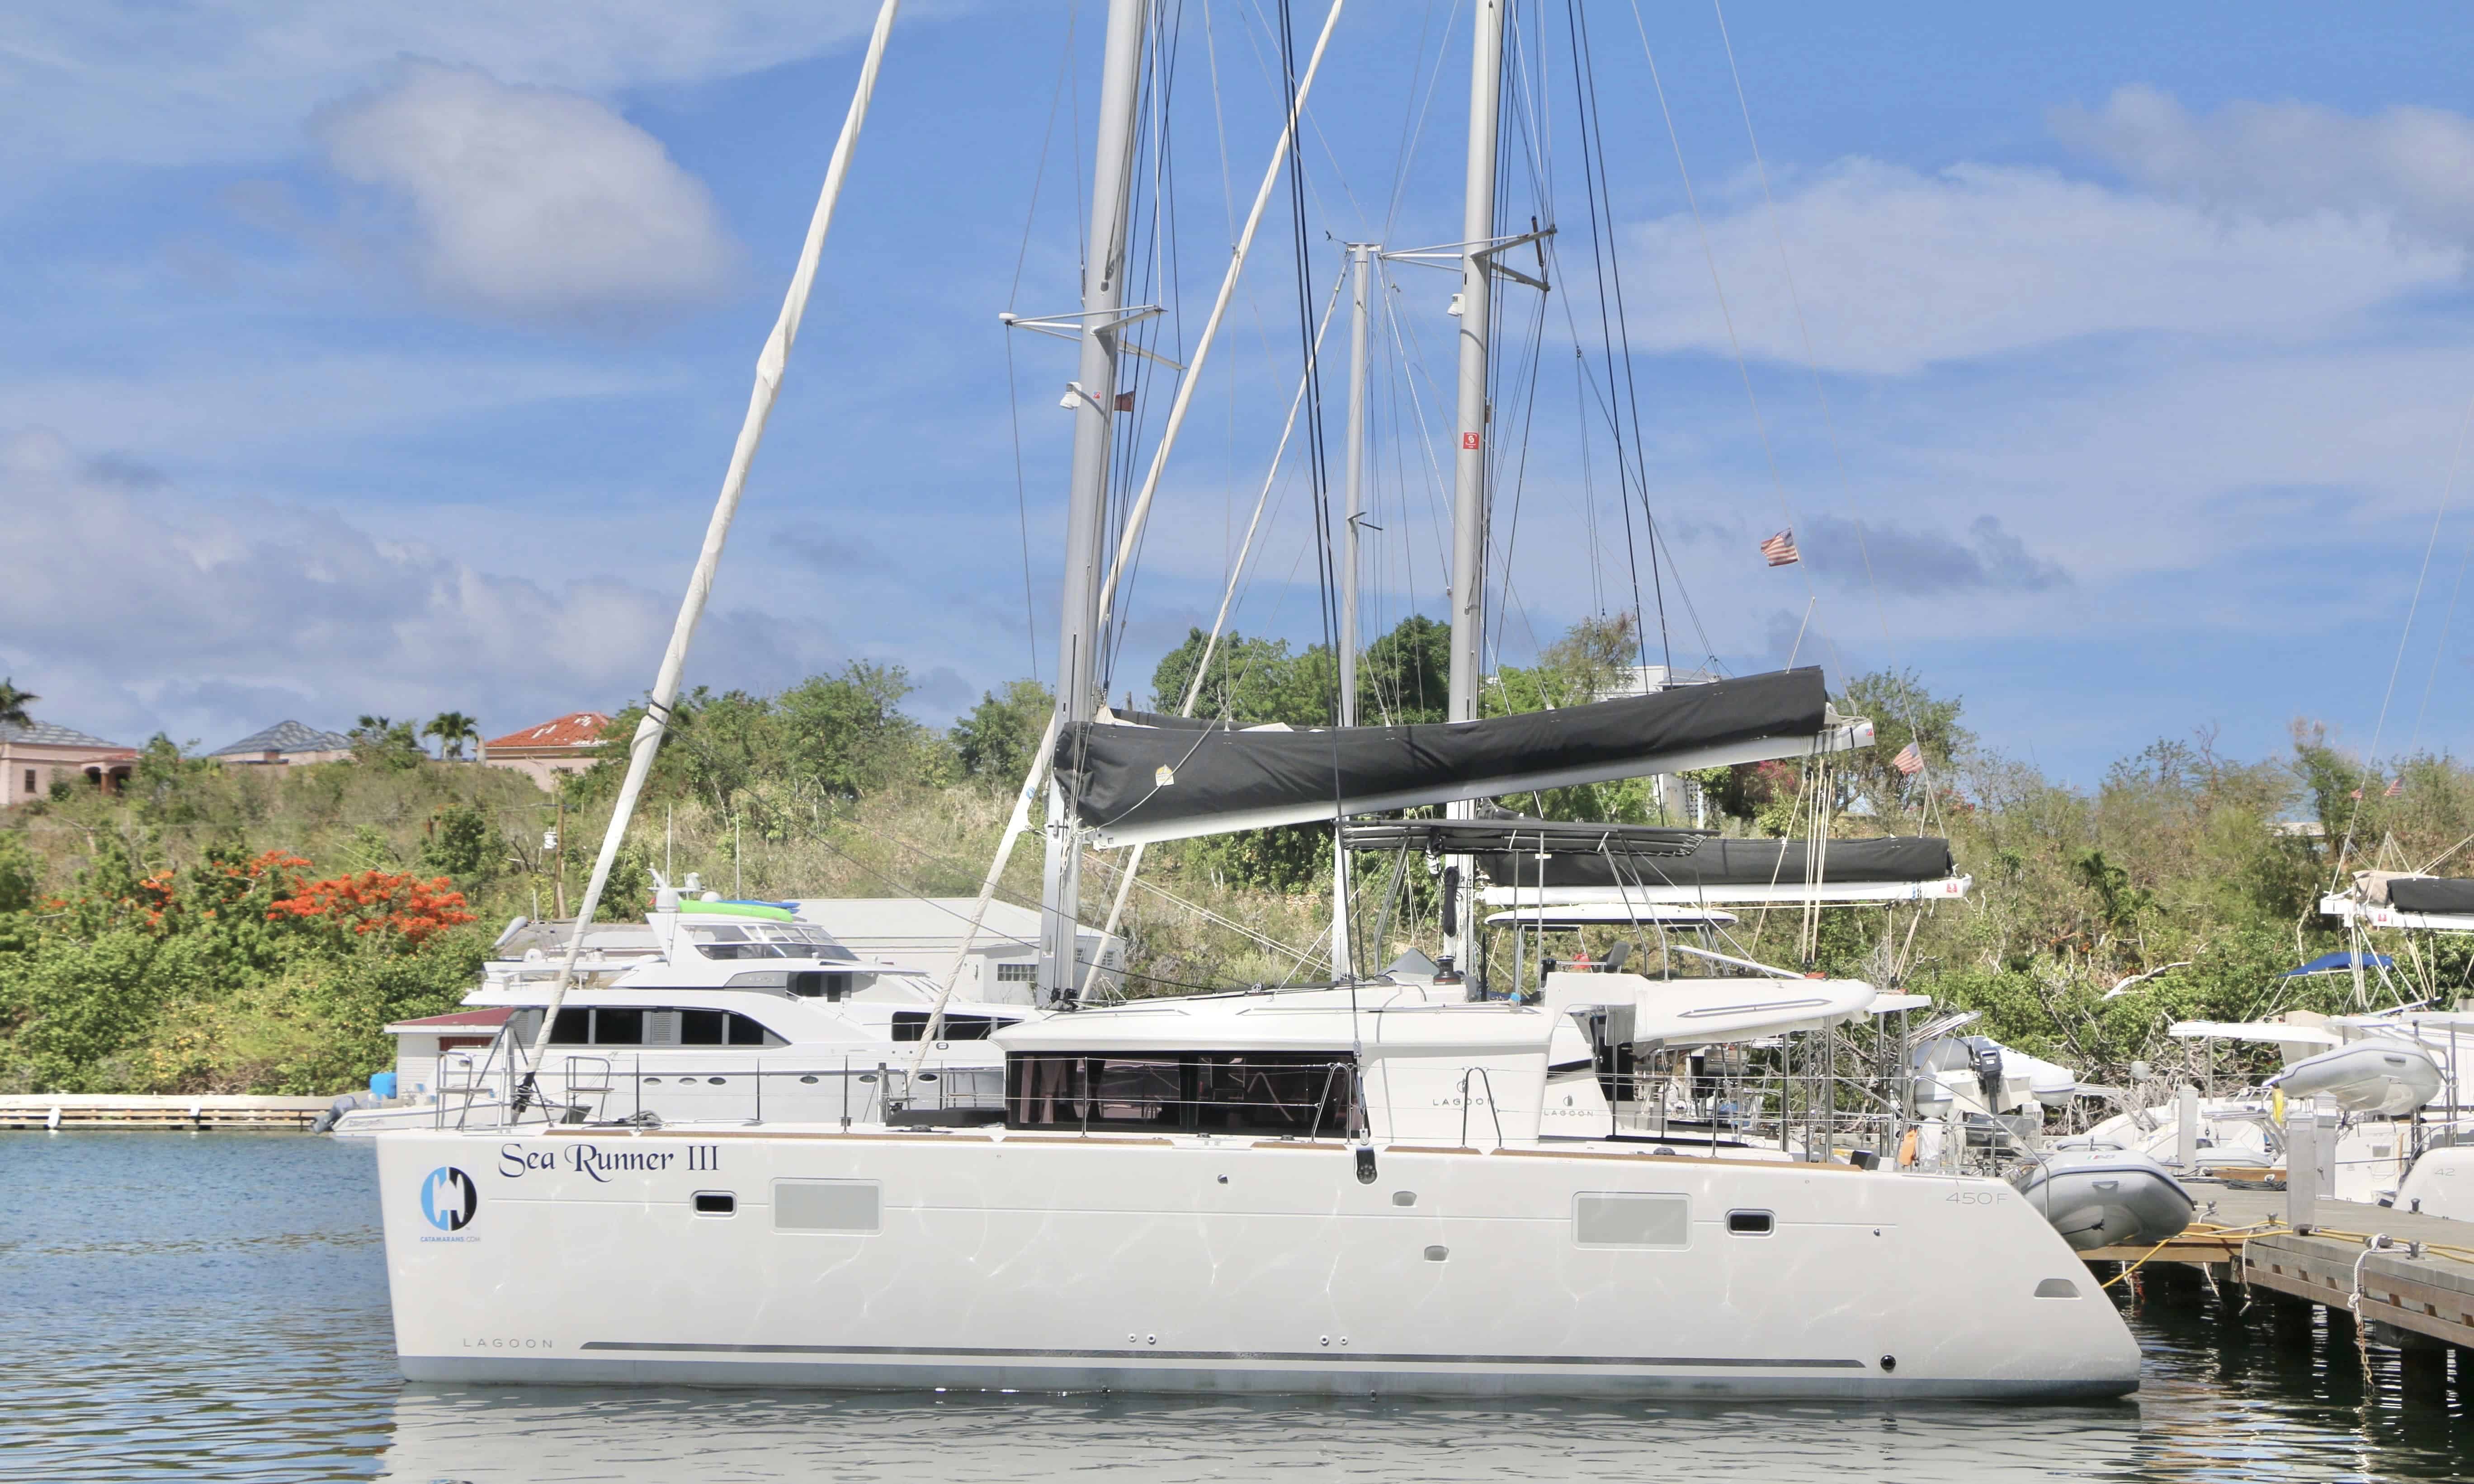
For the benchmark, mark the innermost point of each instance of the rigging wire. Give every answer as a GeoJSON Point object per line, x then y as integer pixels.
{"type": "Point", "coordinates": [1013, 296]}
{"type": "Point", "coordinates": [1829, 414]}
{"type": "Point", "coordinates": [1606, 269]}
{"type": "Point", "coordinates": [2448, 495]}
{"type": "Point", "coordinates": [1709, 255]}
{"type": "Point", "coordinates": [2439, 648]}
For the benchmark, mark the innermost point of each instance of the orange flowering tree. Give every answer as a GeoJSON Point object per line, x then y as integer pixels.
{"type": "Point", "coordinates": [368, 903]}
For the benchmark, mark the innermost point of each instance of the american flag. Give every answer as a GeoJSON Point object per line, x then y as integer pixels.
{"type": "Point", "coordinates": [1910, 761]}
{"type": "Point", "coordinates": [1780, 549]}
{"type": "Point", "coordinates": [2396, 786]}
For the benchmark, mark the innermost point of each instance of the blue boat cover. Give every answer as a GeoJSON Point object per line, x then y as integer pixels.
{"type": "Point", "coordinates": [2338, 964]}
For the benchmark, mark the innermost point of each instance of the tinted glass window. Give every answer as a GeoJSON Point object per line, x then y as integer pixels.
{"type": "Point", "coordinates": [1274, 1094]}
{"type": "Point", "coordinates": [745, 1032]}
{"type": "Point", "coordinates": [574, 1028]}
{"type": "Point", "coordinates": [1281, 1093]}
{"type": "Point", "coordinates": [1128, 1089]}
{"type": "Point", "coordinates": [912, 1024]}
{"type": "Point", "coordinates": [618, 1027]}
{"type": "Point", "coordinates": [704, 1027]}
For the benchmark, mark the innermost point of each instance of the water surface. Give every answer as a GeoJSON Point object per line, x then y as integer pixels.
{"type": "Point", "coordinates": [214, 1307]}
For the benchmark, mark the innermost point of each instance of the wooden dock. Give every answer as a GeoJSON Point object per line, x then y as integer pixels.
{"type": "Point", "coordinates": [2407, 1279]}
{"type": "Point", "coordinates": [83, 1110]}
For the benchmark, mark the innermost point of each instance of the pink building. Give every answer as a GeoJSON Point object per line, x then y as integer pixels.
{"type": "Point", "coordinates": [33, 756]}
{"type": "Point", "coordinates": [568, 743]}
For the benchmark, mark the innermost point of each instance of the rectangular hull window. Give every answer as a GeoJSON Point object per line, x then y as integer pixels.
{"type": "Point", "coordinates": [826, 1206]}
{"type": "Point", "coordinates": [1616, 1220]}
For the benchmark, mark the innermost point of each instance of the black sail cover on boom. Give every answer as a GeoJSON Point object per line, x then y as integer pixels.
{"type": "Point", "coordinates": [1127, 784]}
{"type": "Point", "coordinates": [1716, 864]}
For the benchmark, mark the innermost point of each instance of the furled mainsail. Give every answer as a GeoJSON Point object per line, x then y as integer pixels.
{"type": "Point", "coordinates": [1130, 783]}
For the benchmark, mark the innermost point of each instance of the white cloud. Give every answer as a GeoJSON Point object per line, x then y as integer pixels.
{"type": "Point", "coordinates": [528, 200]}
{"type": "Point", "coordinates": [131, 608]}
{"type": "Point", "coordinates": [151, 84]}
{"type": "Point", "coordinates": [2413, 166]}
{"type": "Point", "coordinates": [278, 399]}
{"type": "Point", "coordinates": [1898, 270]}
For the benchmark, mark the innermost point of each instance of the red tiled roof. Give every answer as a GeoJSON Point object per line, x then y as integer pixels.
{"type": "Point", "coordinates": [576, 728]}
{"type": "Point", "coordinates": [486, 1020]}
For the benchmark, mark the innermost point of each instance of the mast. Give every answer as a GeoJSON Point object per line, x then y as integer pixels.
{"type": "Point", "coordinates": [1470, 466]}
{"type": "Point", "coordinates": [1361, 255]}
{"type": "Point", "coordinates": [1093, 396]}
{"type": "Point", "coordinates": [771, 364]}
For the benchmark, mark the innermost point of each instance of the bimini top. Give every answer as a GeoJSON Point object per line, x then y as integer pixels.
{"type": "Point", "coordinates": [1131, 784]}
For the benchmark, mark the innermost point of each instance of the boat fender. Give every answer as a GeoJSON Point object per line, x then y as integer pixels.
{"type": "Point", "coordinates": [1366, 1164]}
{"type": "Point", "coordinates": [1908, 1149]}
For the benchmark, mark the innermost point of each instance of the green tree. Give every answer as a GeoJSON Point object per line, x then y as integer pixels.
{"type": "Point", "coordinates": [1406, 675]}
{"type": "Point", "coordinates": [1902, 711]}
{"type": "Point", "coordinates": [846, 734]}
{"type": "Point", "coordinates": [993, 743]}
{"type": "Point", "coordinates": [21, 872]}
{"type": "Point", "coordinates": [452, 730]}
{"type": "Point", "coordinates": [461, 843]}
{"type": "Point", "coordinates": [378, 741]}
{"type": "Point", "coordinates": [13, 703]}
{"type": "Point", "coordinates": [1250, 682]}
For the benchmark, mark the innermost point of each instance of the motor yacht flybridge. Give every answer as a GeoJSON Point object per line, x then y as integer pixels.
{"type": "Point", "coordinates": [709, 1011]}
{"type": "Point", "coordinates": [1367, 1186]}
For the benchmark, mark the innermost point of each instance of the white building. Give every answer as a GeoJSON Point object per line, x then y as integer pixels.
{"type": "Point", "coordinates": [921, 933]}
{"type": "Point", "coordinates": [420, 1044]}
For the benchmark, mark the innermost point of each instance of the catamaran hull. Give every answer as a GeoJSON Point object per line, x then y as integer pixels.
{"type": "Point", "coordinates": [1067, 1264]}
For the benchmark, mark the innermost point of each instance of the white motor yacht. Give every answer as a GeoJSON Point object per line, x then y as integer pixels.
{"type": "Point", "coordinates": [709, 1011]}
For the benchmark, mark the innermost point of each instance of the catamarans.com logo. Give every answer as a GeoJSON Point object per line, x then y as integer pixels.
{"type": "Point", "coordinates": [449, 1199]}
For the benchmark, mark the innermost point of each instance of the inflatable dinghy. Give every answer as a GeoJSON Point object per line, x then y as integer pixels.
{"type": "Point", "coordinates": [2381, 1077]}
{"type": "Point", "coordinates": [2105, 1197]}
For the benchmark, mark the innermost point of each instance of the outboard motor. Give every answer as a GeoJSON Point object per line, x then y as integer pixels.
{"type": "Point", "coordinates": [1984, 1057]}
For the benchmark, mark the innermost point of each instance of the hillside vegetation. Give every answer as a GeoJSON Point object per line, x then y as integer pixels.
{"type": "Point", "coordinates": [215, 930]}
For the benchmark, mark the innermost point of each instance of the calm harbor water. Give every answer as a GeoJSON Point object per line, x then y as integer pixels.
{"type": "Point", "coordinates": [213, 1307]}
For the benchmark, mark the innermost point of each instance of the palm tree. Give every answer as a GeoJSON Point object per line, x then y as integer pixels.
{"type": "Point", "coordinates": [452, 730]}
{"type": "Point", "coordinates": [13, 703]}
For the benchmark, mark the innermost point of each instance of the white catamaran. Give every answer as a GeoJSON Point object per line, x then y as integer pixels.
{"type": "Point", "coordinates": [1369, 1187]}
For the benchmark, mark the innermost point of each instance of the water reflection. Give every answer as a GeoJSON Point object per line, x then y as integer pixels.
{"type": "Point", "coordinates": [628, 1436]}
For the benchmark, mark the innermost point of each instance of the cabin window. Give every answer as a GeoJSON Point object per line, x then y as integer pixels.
{"type": "Point", "coordinates": [1610, 1219]}
{"type": "Point", "coordinates": [1750, 1223]}
{"type": "Point", "coordinates": [827, 1205]}
{"type": "Point", "coordinates": [912, 1024]}
{"type": "Point", "coordinates": [631, 1026]}
{"type": "Point", "coordinates": [716, 1203]}
{"type": "Point", "coordinates": [766, 939]}
{"type": "Point", "coordinates": [1308, 1093]}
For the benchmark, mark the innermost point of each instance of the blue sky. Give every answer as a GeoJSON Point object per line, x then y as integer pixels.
{"type": "Point", "coordinates": [373, 362]}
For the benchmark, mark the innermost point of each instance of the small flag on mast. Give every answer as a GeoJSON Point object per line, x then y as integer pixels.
{"type": "Point", "coordinates": [2396, 786]}
{"type": "Point", "coordinates": [1781, 550]}
{"type": "Point", "coordinates": [1910, 761]}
